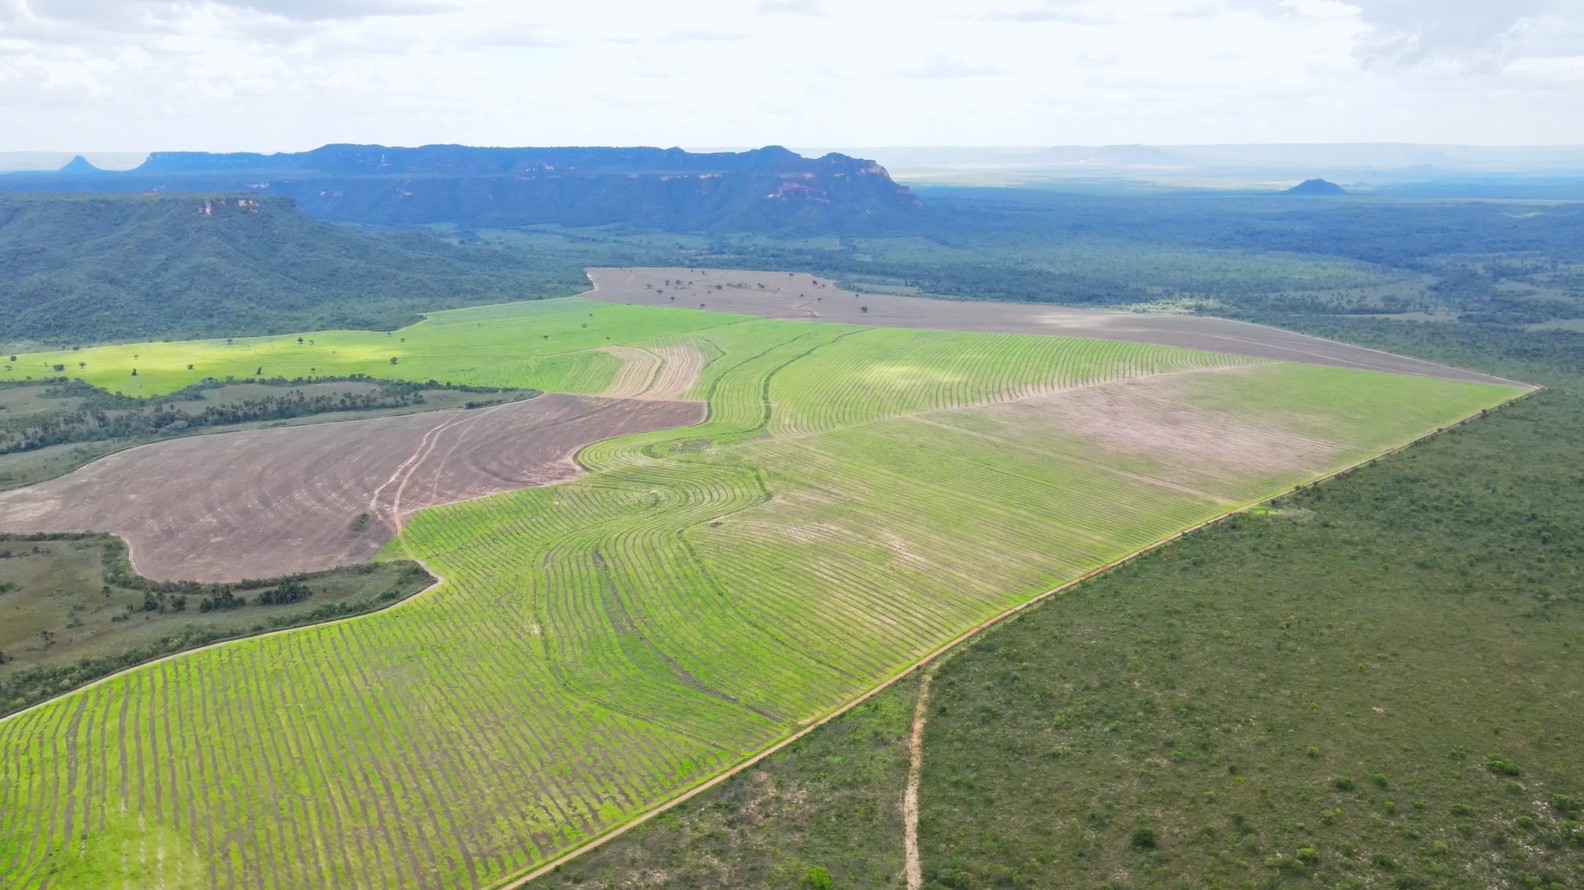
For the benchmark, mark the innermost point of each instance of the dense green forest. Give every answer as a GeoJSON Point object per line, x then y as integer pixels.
{"type": "Point", "coordinates": [1489, 262]}
{"type": "Point", "coordinates": [94, 269]}
{"type": "Point", "coordinates": [82, 269]}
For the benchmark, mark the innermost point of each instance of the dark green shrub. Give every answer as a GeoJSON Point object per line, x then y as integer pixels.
{"type": "Point", "coordinates": [816, 879]}
{"type": "Point", "coordinates": [1501, 766]}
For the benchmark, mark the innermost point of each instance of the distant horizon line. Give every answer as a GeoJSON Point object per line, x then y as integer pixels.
{"type": "Point", "coordinates": [814, 146]}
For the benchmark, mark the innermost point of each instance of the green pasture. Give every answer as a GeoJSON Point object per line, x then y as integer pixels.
{"type": "Point", "coordinates": [551, 342]}
{"type": "Point", "coordinates": [857, 499]}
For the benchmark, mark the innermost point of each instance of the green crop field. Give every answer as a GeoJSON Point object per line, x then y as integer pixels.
{"type": "Point", "coordinates": [551, 342]}
{"type": "Point", "coordinates": [857, 499]}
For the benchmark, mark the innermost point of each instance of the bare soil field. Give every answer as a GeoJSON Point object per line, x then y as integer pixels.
{"type": "Point", "coordinates": [265, 503]}
{"type": "Point", "coordinates": [665, 373]}
{"type": "Point", "coordinates": [797, 296]}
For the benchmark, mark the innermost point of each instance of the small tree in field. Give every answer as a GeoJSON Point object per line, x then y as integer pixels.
{"type": "Point", "coordinates": [393, 358]}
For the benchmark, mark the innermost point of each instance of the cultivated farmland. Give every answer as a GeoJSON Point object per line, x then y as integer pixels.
{"type": "Point", "coordinates": [267, 503]}
{"type": "Point", "coordinates": [806, 297]}
{"type": "Point", "coordinates": [856, 499]}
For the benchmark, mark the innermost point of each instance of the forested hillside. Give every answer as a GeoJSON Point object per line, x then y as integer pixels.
{"type": "Point", "coordinates": [79, 269]}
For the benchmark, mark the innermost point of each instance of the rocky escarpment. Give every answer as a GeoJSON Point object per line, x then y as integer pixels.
{"type": "Point", "coordinates": [766, 188]}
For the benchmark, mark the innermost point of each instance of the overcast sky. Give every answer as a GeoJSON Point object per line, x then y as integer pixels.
{"type": "Point", "coordinates": [281, 75]}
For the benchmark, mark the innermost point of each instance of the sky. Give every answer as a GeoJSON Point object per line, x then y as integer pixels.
{"type": "Point", "coordinates": [288, 75]}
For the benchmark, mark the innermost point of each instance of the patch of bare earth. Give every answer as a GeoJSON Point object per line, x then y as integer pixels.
{"type": "Point", "coordinates": [683, 365]}
{"type": "Point", "coordinates": [637, 374]}
{"type": "Point", "coordinates": [666, 373]}
{"type": "Point", "coordinates": [263, 503]}
{"type": "Point", "coordinates": [798, 296]}
{"type": "Point", "coordinates": [1154, 418]}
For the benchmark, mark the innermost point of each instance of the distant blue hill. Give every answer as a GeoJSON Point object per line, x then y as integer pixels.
{"type": "Point", "coordinates": [79, 166]}
{"type": "Point", "coordinates": [1318, 188]}
{"type": "Point", "coordinates": [769, 188]}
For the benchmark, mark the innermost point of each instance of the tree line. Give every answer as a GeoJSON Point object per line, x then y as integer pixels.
{"type": "Point", "coordinates": [103, 416]}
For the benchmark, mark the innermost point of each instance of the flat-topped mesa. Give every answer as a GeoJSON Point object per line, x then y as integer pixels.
{"type": "Point", "coordinates": [764, 188]}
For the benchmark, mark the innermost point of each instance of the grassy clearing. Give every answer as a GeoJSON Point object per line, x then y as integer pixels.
{"type": "Point", "coordinates": [604, 645]}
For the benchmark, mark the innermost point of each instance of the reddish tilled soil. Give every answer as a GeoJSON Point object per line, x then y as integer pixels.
{"type": "Point", "coordinates": [797, 296]}
{"type": "Point", "coordinates": [263, 503]}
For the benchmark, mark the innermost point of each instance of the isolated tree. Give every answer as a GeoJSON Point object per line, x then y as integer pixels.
{"type": "Point", "coordinates": [134, 372]}
{"type": "Point", "coordinates": [299, 341]}
{"type": "Point", "coordinates": [393, 358]}
{"type": "Point", "coordinates": [189, 367]}
{"type": "Point", "coordinates": [864, 309]}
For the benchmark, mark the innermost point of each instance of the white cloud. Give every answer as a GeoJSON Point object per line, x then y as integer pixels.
{"type": "Point", "coordinates": [703, 35]}
{"type": "Point", "coordinates": [792, 7]}
{"type": "Point", "coordinates": [1052, 11]}
{"type": "Point", "coordinates": [940, 65]}
{"type": "Point", "coordinates": [1468, 33]}
{"type": "Point", "coordinates": [291, 74]}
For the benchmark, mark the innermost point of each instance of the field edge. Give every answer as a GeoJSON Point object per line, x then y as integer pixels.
{"type": "Point", "coordinates": [436, 581]}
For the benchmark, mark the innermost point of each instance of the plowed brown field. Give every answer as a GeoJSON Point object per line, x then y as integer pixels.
{"type": "Point", "coordinates": [798, 296]}
{"type": "Point", "coordinates": [263, 503]}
